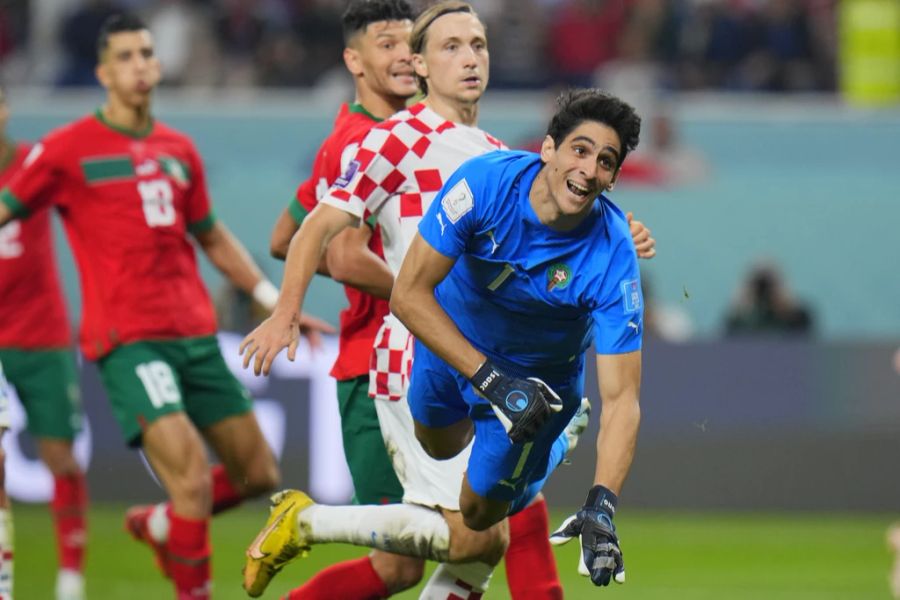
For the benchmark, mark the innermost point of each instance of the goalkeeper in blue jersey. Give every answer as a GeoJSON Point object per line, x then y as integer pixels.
{"type": "Point", "coordinates": [519, 265]}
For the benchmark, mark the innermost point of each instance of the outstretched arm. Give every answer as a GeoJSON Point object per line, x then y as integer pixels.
{"type": "Point", "coordinates": [307, 247]}
{"type": "Point", "coordinates": [620, 383]}
{"type": "Point", "coordinates": [413, 302]}
{"type": "Point", "coordinates": [230, 257]}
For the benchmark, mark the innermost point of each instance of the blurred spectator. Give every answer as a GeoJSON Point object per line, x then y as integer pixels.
{"type": "Point", "coordinates": [176, 27]}
{"type": "Point", "coordinates": [764, 306]}
{"type": "Point", "coordinates": [583, 36]}
{"type": "Point", "coordinates": [78, 35]}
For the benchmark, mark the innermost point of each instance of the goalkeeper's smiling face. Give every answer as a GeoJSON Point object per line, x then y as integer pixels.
{"type": "Point", "coordinates": [455, 59]}
{"type": "Point", "coordinates": [584, 165]}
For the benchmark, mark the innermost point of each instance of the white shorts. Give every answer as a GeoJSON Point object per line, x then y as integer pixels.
{"type": "Point", "coordinates": [426, 481]}
{"type": "Point", "coordinates": [4, 401]}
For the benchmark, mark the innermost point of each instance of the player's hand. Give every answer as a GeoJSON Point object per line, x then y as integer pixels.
{"type": "Point", "coordinates": [273, 335]}
{"type": "Point", "coordinates": [312, 329]}
{"type": "Point", "coordinates": [522, 405]}
{"type": "Point", "coordinates": [601, 558]}
{"type": "Point", "coordinates": [644, 244]}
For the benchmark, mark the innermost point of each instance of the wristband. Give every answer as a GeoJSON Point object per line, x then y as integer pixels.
{"type": "Point", "coordinates": [601, 498]}
{"type": "Point", "coordinates": [266, 294]}
{"type": "Point", "coordinates": [485, 376]}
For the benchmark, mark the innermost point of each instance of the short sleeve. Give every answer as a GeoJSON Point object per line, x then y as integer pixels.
{"type": "Point", "coordinates": [369, 178]}
{"type": "Point", "coordinates": [451, 219]}
{"type": "Point", "coordinates": [198, 208]}
{"type": "Point", "coordinates": [618, 318]}
{"type": "Point", "coordinates": [37, 182]}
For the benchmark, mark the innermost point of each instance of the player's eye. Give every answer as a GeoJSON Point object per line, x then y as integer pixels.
{"type": "Point", "coordinates": [451, 47]}
{"type": "Point", "coordinates": [580, 150]}
{"type": "Point", "coordinates": [147, 52]}
{"type": "Point", "coordinates": [607, 163]}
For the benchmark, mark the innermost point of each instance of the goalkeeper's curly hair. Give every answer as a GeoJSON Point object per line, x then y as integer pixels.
{"type": "Point", "coordinates": [592, 104]}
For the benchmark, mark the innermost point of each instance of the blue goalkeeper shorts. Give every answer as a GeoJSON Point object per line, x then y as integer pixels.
{"type": "Point", "coordinates": [498, 469]}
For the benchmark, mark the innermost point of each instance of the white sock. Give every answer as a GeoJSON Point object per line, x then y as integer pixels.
{"type": "Point", "coordinates": [158, 523]}
{"type": "Point", "coordinates": [457, 581]}
{"type": "Point", "coordinates": [398, 528]}
{"type": "Point", "coordinates": [69, 585]}
{"type": "Point", "coordinates": [6, 554]}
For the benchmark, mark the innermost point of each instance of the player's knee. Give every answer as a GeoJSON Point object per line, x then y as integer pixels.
{"type": "Point", "coordinates": [480, 516]}
{"type": "Point", "coordinates": [398, 573]}
{"type": "Point", "coordinates": [487, 545]}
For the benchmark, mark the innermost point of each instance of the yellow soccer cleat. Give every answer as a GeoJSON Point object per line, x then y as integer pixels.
{"type": "Point", "coordinates": [279, 542]}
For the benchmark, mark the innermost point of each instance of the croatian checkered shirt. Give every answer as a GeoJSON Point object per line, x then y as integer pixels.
{"type": "Point", "coordinates": [396, 174]}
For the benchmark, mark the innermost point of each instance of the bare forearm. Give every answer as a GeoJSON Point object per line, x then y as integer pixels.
{"type": "Point", "coordinates": [230, 257]}
{"type": "Point", "coordinates": [619, 423]}
{"type": "Point", "coordinates": [361, 269]}
{"type": "Point", "coordinates": [425, 319]}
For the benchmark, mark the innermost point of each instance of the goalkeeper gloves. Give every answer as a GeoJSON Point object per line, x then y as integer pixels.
{"type": "Point", "coordinates": [522, 405]}
{"type": "Point", "coordinates": [601, 558]}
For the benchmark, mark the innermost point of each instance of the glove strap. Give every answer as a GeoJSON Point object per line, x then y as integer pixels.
{"type": "Point", "coordinates": [486, 377]}
{"type": "Point", "coordinates": [602, 499]}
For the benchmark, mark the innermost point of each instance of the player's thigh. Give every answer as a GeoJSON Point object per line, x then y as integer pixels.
{"type": "Point", "coordinates": [374, 480]}
{"type": "Point", "coordinates": [434, 393]}
{"type": "Point", "coordinates": [211, 392]}
{"type": "Point", "coordinates": [143, 384]}
{"type": "Point", "coordinates": [46, 382]}
{"type": "Point", "coordinates": [501, 470]}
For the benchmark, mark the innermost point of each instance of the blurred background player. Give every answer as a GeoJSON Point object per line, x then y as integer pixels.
{"type": "Point", "coordinates": [35, 347]}
{"type": "Point", "coordinates": [6, 523]}
{"type": "Point", "coordinates": [129, 190]}
{"type": "Point", "coordinates": [442, 135]}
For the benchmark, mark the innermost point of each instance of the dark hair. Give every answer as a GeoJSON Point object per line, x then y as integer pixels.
{"type": "Point", "coordinates": [418, 37]}
{"type": "Point", "coordinates": [591, 104]}
{"type": "Point", "coordinates": [362, 13]}
{"type": "Point", "coordinates": [117, 24]}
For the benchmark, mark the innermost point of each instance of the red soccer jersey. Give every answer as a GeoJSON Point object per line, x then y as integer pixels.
{"type": "Point", "coordinates": [34, 313]}
{"type": "Point", "coordinates": [359, 321]}
{"type": "Point", "coordinates": [127, 200]}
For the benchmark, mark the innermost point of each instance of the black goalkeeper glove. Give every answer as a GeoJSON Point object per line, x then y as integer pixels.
{"type": "Point", "coordinates": [522, 405]}
{"type": "Point", "coordinates": [601, 558]}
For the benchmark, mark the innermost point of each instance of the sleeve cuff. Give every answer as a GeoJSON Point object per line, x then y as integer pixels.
{"type": "Point", "coordinates": [15, 205]}
{"type": "Point", "coordinates": [203, 225]}
{"type": "Point", "coordinates": [298, 211]}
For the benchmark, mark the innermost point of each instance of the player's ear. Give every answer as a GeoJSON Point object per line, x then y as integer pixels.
{"type": "Point", "coordinates": [352, 61]}
{"type": "Point", "coordinates": [548, 148]}
{"type": "Point", "coordinates": [101, 71]}
{"type": "Point", "coordinates": [419, 66]}
{"type": "Point", "coordinates": [615, 178]}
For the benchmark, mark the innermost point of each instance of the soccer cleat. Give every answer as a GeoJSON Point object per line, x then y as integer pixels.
{"type": "Point", "coordinates": [137, 524]}
{"type": "Point", "coordinates": [576, 427]}
{"type": "Point", "coordinates": [279, 542]}
{"type": "Point", "coordinates": [69, 585]}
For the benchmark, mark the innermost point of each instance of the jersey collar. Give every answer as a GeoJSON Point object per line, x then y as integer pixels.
{"type": "Point", "coordinates": [356, 107]}
{"type": "Point", "coordinates": [138, 134]}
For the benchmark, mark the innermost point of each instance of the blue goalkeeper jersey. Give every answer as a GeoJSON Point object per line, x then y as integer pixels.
{"type": "Point", "coordinates": [531, 298]}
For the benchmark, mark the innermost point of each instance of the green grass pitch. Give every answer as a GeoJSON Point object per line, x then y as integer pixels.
{"type": "Point", "coordinates": [716, 556]}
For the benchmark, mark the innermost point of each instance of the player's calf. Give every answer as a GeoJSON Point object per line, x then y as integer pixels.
{"type": "Point", "coordinates": [487, 545]}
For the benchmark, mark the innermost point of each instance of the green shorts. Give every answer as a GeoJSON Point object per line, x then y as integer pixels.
{"type": "Point", "coordinates": [46, 382]}
{"type": "Point", "coordinates": [373, 475]}
{"type": "Point", "coordinates": [146, 380]}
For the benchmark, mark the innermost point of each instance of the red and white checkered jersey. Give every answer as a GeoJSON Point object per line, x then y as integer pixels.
{"type": "Point", "coordinates": [399, 169]}
{"type": "Point", "coordinates": [396, 174]}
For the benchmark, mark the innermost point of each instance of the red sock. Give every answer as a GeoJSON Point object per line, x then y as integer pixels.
{"type": "Point", "coordinates": [189, 551]}
{"type": "Point", "coordinates": [530, 565]}
{"type": "Point", "coordinates": [223, 492]}
{"type": "Point", "coordinates": [349, 580]}
{"type": "Point", "coordinates": [69, 508]}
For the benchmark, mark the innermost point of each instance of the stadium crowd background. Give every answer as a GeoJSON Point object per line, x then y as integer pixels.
{"type": "Point", "coordinates": [740, 45]}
